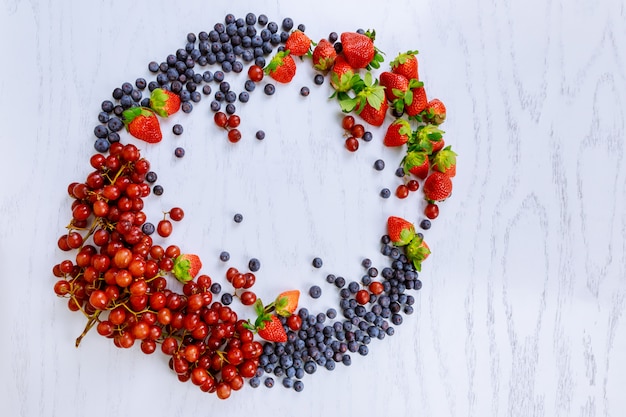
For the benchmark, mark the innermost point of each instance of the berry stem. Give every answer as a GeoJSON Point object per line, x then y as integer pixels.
{"type": "Point", "coordinates": [93, 319]}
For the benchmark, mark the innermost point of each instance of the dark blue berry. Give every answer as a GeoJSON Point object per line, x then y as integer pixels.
{"type": "Point", "coordinates": [287, 24]}
{"type": "Point", "coordinates": [179, 152]}
{"type": "Point", "coordinates": [250, 19]}
{"type": "Point", "coordinates": [230, 108]}
{"type": "Point", "coordinates": [101, 131]}
{"type": "Point", "coordinates": [425, 224]}
{"type": "Point", "coordinates": [153, 66]}
{"type": "Point", "coordinates": [367, 136]}
{"type": "Point", "coordinates": [218, 76]}
{"type": "Point", "coordinates": [215, 105]}
{"type": "Point", "coordinates": [269, 382]}
{"type": "Point", "coordinates": [315, 291]}
{"type": "Point", "coordinates": [332, 37]}
{"type": "Point", "coordinates": [304, 91]}
{"type": "Point", "coordinates": [231, 97]}
{"type": "Point", "coordinates": [224, 256]}
{"type": "Point", "coordinates": [254, 265]}
{"type": "Point", "coordinates": [216, 288]}
{"type": "Point", "coordinates": [157, 190]}
{"type": "Point", "coordinates": [238, 218]}
{"type": "Point", "coordinates": [400, 172]}
{"type": "Point", "coordinates": [317, 262]}
{"type": "Point", "coordinates": [244, 97]}
{"type": "Point", "coordinates": [186, 107]}
{"type": "Point", "coordinates": [318, 79]}
{"type": "Point", "coordinates": [301, 27]}
{"type": "Point", "coordinates": [260, 135]}
{"type": "Point", "coordinates": [102, 145]}
{"type": "Point", "coordinates": [226, 299]}
{"type": "Point", "coordinates": [177, 129]}
{"type": "Point", "coordinates": [379, 165]}
{"type": "Point", "coordinates": [151, 177]}
{"type": "Point", "coordinates": [147, 228]}
{"type": "Point", "coordinates": [385, 193]}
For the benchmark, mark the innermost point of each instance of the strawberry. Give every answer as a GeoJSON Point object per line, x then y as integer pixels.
{"type": "Point", "coordinates": [298, 43]}
{"type": "Point", "coordinates": [324, 55]}
{"type": "Point", "coordinates": [373, 114]}
{"type": "Point", "coordinates": [342, 76]}
{"type": "Point", "coordinates": [400, 231]}
{"type": "Point", "coordinates": [395, 85]}
{"type": "Point", "coordinates": [417, 251]}
{"type": "Point", "coordinates": [358, 49]}
{"type": "Point", "coordinates": [164, 102]}
{"type": "Point", "coordinates": [417, 163]}
{"type": "Point", "coordinates": [282, 67]}
{"type": "Point", "coordinates": [427, 138]}
{"type": "Point", "coordinates": [435, 112]}
{"type": "Point", "coordinates": [437, 187]}
{"type": "Point", "coordinates": [287, 302]}
{"type": "Point", "coordinates": [186, 267]}
{"type": "Point", "coordinates": [398, 133]}
{"type": "Point", "coordinates": [418, 102]}
{"type": "Point", "coordinates": [405, 64]}
{"type": "Point", "coordinates": [445, 161]}
{"type": "Point", "coordinates": [142, 123]}
{"type": "Point", "coordinates": [272, 330]}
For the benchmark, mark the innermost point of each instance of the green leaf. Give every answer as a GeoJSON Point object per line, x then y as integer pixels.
{"type": "Point", "coordinates": [349, 104]}
{"type": "Point", "coordinates": [258, 307]}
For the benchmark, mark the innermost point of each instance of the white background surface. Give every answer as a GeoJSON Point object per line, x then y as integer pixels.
{"type": "Point", "coordinates": [522, 310]}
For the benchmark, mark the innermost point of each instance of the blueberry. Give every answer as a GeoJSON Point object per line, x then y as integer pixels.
{"type": "Point", "coordinates": [400, 172]}
{"type": "Point", "coordinates": [254, 265]}
{"type": "Point", "coordinates": [332, 37]}
{"type": "Point", "coordinates": [367, 136]}
{"type": "Point", "coordinates": [304, 91]}
{"type": "Point", "coordinates": [260, 61]}
{"type": "Point", "coordinates": [425, 224]}
{"type": "Point", "coordinates": [101, 145]}
{"type": "Point", "coordinates": [318, 79]}
{"type": "Point", "coordinates": [230, 108]}
{"type": "Point", "coordinates": [219, 96]}
{"type": "Point", "coordinates": [250, 19]}
{"type": "Point", "coordinates": [148, 228]}
{"type": "Point", "coordinates": [301, 27]}
{"type": "Point", "coordinates": [177, 129]}
{"type": "Point", "coordinates": [238, 218]}
{"type": "Point", "coordinates": [179, 152]}
{"type": "Point", "coordinates": [287, 24]}
{"type": "Point", "coordinates": [354, 287]}
{"type": "Point", "coordinates": [255, 382]}
{"type": "Point", "coordinates": [227, 66]}
{"type": "Point", "coordinates": [330, 365]}
{"type": "Point", "coordinates": [153, 66]}
{"type": "Point", "coordinates": [224, 256]}
{"type": "Point", "coordinates": [340, 282]}
{"type": "Point", "coordinates": [269, 382]}
{"type": "Point", "coordinates": [244, 97]}
{"type": "Point", "coordinates": [249, 85]}
{"type": "Point", "coordinates": [260, 135]}
{"type": "Point", "coordinates": [216, 288]}
{"type": "Point", "coordinates": [151, 177]}
{"type": "Point", "coordinates": [317, 263]}
{"type": "Point", "coordinates": [269, 89]}
{"type": "Point", "coordinates": [331, 313]}
{"type": "Point", "coordinates": [315, 291]}
{"type": "Point", "coordinates": [218, 76]}
{"type": "Point", "coordinates": [215, 105]}
{"type": "Point", "coordinates": [262, 20]}
{"type": "Point", "coordinates": [227, 299]}
{"type": "Point", "coordinates": [379, 165]}
{"type": "Point", "coordinates": [231, 97]}
{"type": "Point", "coordinates": [237, 67]}
{"type": "Point", "coordinates": [330, 278]}
{"type": "Point", "coordinates": [195, 96]}
{"type": "Point", "coordinates": [127, 88]}
{"type": "Point", "coordinates": [157, 190]}
{"type": "Point", "coordinates": [101, 131]}
{"type": "Point", "coordinates": [385, 193]}
{"type": "Point", "coordinates": [186, 107]}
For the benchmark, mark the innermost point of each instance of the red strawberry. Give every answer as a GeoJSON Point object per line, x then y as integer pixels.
{"type": "Point", "coordinates": [417, 251]}
{"type": "Point", "coordinates": [417, 163]}
{"type": "Point", "coordinates": [186, 267]}
{"type": "Point", "coordinates": [400, 231]}
{"type": "Point", "coordinates": [358, 49]}
{"type": "Point", "coordinates": [273, 330]}
{"type": "Point", "coordinates": [406, 64]}
{"type": "Point", "coordinates": [395, 85]}
{"type": "Point", "coordinates": [324, 55]}
{"type": "Point", "coordinates": [418, 102]}
{"type": "Point", "coordinates": [298, 43]}
{"type": "Point", "coordinates": [372, 115]}
{"type": "Point", "coordinates": [427, 138]}
{"type": "Point", "coordinates": [342, 75]}
{"type": "Point", "coordinates": [398, 133]}
{"type": "Point", "coordinates": [445, 161]}
{"type": "Point", "coordinates": [437, 187]}
{"type": "Point", "coordinates": [164, 102]}
{"type": "Point", "coordinates": [435, 112]}
{"type": "Point", "coordinates": [143, 124]}
{"type": "Point", "coordinates": [287, 302]}
{"type": "Point", "coordinates": [282, 67]}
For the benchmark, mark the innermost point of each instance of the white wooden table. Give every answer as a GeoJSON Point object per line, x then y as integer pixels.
{"type": "Point", "coordinates": [522, 309]}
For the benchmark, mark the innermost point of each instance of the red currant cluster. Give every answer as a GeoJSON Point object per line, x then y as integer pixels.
{"type": "Point", "coordinates": [353, 132]}
{"type": "Point", "coordinates": [118, 281]}
{"type": "Point", "coordinates": [229, 123]}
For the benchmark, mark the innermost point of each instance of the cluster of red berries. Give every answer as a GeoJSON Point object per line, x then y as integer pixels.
{"type": "Point", "coordinates": [353, 132]}
{"type": "Point", "coordinates": [230, 123]}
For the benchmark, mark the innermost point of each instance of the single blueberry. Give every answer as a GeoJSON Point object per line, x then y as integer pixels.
{"type": "Point", "coordinates": [315, 291]}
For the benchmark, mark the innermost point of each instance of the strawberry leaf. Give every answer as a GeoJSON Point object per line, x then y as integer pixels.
{"type": "Point", "coordinates": [258, 307]}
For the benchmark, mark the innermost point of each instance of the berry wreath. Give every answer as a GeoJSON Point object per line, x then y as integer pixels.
{"type": "Point", "coordinates": [118, 277]}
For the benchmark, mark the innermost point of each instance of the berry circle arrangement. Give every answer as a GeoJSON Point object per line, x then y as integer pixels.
{"type": "Point", "coordinates": [137, 292]}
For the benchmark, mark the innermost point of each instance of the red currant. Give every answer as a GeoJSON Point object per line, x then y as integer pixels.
{"type": "Point", "coordinates": [402, 191]}
{"type": "Point", "coordinates": [431, 211]}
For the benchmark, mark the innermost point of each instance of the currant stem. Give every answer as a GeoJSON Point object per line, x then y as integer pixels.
{"type": "Point", "coordinates": [90, 323]}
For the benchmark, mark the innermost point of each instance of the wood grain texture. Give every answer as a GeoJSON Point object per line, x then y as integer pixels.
{"type": "Point", "coordinates": [522, 310]}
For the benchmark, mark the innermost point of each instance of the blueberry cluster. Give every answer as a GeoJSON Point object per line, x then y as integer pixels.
{"type": "Point", "coordinates": [231, 44]}
{"type": "Point", "coordinates": [325, 340]}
